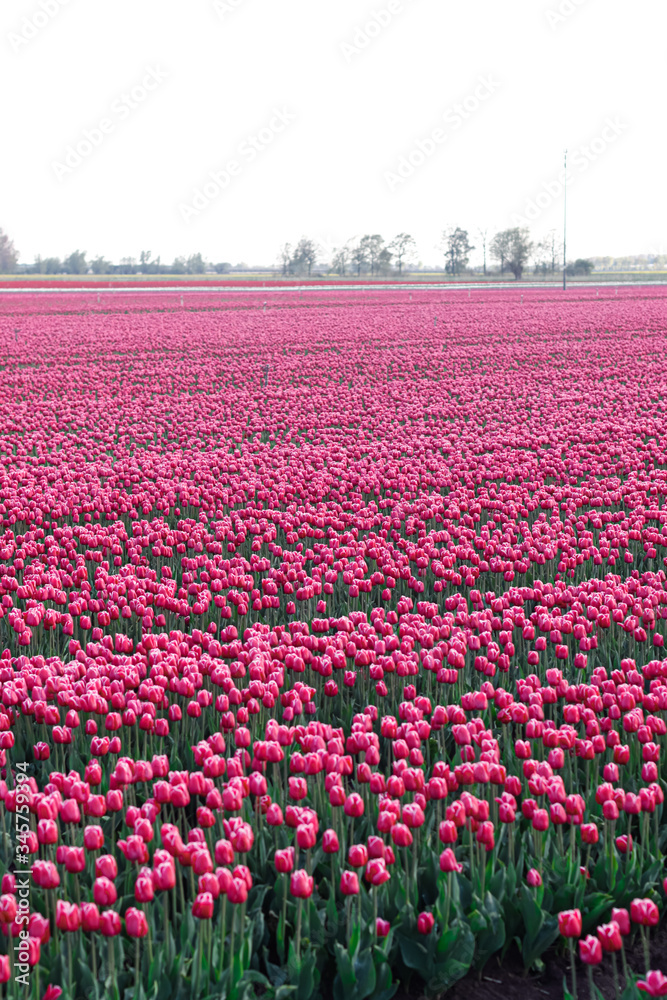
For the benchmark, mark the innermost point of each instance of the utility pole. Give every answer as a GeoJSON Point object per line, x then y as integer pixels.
{"type": "Point", "coordinates": [565, 223]}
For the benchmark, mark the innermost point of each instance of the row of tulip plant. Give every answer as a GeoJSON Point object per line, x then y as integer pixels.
{"type": "Point", "coordinates": [331, 644]}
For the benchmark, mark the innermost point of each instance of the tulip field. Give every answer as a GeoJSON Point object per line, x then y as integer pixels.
{"type": "Point", "coordinates": [332, 642]}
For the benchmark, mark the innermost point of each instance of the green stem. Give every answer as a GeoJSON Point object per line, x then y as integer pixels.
{"type": "Point", "coordinates": [570, 942]}
{"type": "Point", "coordinates": [231, 949]}
{"type": "Point", "coordinates": [223, 932]}
{"type": "Point", "coordinates": [617, 991]}
{"type": "Point", "coordinates": [299, 907]}
{"type": "Point", "coordinates": [647, 950]}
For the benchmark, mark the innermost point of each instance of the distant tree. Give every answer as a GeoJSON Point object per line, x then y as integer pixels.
{"type": "Point", "coordinates": [580, 266]}
{"type": "Point", "coordinates": [499, 248]}
{"type": "Point", "coordinates": [483, 236]}
{"type": "Point", "coordinates": [341, 258]}
{"type": "Point", "coordinates": [52, 265]}
{"type": "Point", "coordinates": [372, 248]}
{"type": "Point", "coordinates": [195, 264]}
{"type": "Point", "coordinates": [359, 256]}
{"type": "Point", "coordinates": [513, 248]}
{"type": "Point", "coordinates": [8, 255]}
{"type": "Point", "coordinates": [547, 252]}
{"type": "Point", "coordinates": [100, 266]}
{"type": "Point", "coordinates": [179, 266]}
{"type": "Point", "coordinates": [222, 268]}
{"type": "Point", "coordinates": [285, 259]}
{"type": "Point", "coordinates": [403, 248]}
{"type": "Point", "coordinates": [304, 256]}
{"type": "Point", "coordinates": [456, 247]}
{"type": "Point", "coordinates": [383, 265]}
{"type": "Point", "coordinates": [76, 263]}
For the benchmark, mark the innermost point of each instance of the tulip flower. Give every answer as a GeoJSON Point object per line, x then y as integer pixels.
{"type": "Point", "coordinates": [110, 924]}
{"type": "Point", "coordinates": [68, 916]}
{"type": "Point", "coordinates": [590, 950]}
{"type": "Point", "coordinates": [609, 936]}
{"type": "Point", "coordinates": [202, 907]}
{"type": "Point", "coordinates": [8, 909]}
{"type": "Point", "coordinates": [284, 860]}
{"type": "Point", "coordinates": [93, 838]}
{"type": "Point", "coordinates": [349, 883]}
{"type": "Point", "coordinates": [90, 917]}
{"type": "Point", "coordinates": [301, 884]}
{"type": "Point", "coordinates": [622, 918]}
{"type": "Point", "coordinates": [104, 891]}
{"type": "Point", "coordinates": [376, 872]}
{"type": "Point", "coordinates": [644, 912]}
{"type": "Point", "coordinates": [237, 891]}
{"type": "Point", "coordinates": [136, 924]}
{"type": "Point", "coordinates": [655, 984]}
{"type": "Point", "coordinates": [357, 855]}
{"type": "Point", "coordinates": [330, 844]}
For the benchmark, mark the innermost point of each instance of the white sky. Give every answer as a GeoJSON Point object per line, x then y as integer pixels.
{"type": "Point", "coordinates": [553, 80]}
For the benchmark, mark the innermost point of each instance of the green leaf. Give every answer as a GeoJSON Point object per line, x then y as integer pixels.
{"type": "Point", "coordinates": [492, 938]}
{"type": "Point", "coordinates": [456, 964]}
{"type": "Point", "coordinates": [277, 973]}
{"type": "Point", "coordinates": [332, 913]}
{"type": "Point", "coordinates": [85, 977]}
{"type": "Point", "coordinates": [384, 987]}
{"type": "Point", "coordinates": [498, 883]}
{"type": "Point", "coordinates": [413, 952]}
{"type": "Point", "coordinates": [533, 916]}
{"type": "Point", "coordinates": [251, 976]}
{"type": "Point", "coordinates": [364, 970]}
{"type": "Point", "coordinates": [285, 992]}
{"type": "Point", "coordinates": [478, 921]}
{"type": "Point", "coordinates": [596, 905]}
{"type": "Point", "coordinates": [535, 945]}
{"type": "Point", "coordinates": [345, 968]}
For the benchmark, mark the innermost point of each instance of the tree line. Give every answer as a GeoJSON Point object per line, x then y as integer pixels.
{"type": "Point", "coordinates": [512, 249]}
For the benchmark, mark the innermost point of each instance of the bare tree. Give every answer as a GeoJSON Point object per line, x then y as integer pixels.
{"type": "Point", "coordinates": [456, 247]}
{"type": "Point", "coordinates": [483, 236]}
{"type": "Point", "coordinates": [359, 256]}
{"type": "Point", "coordinates": [8, 255]}
{"type": "Point", "coordinates": [402, 248]}
{"type": "Point", "coordinates": [373, 246]}
{"type": "Point", "coordinates": [285, 258]}
{"type": "Point", "coordinates": [554, 244]}
{"type": "Point", "coordinates": [341, 258]}
{"type": "Point", "coordinates": [304, 256]}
